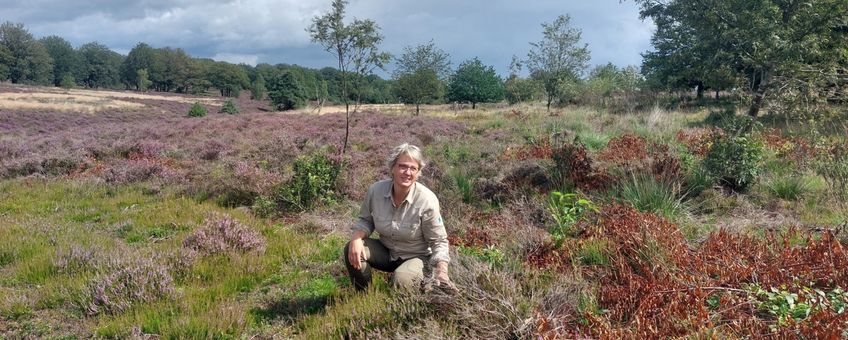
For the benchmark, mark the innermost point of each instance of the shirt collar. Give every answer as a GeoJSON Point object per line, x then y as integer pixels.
{"type": "Point", "coordinates": [408, 196]}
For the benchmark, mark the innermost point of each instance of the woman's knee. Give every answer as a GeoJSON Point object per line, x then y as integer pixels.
{"type": "Point", "coordinates": [409, 274]}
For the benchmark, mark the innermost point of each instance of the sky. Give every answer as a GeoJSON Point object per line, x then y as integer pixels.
{"type": "Point", "coordinates": [274, 31]}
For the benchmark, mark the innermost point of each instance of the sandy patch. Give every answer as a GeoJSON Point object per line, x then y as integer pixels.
{"type": "Point", "coordinates": [76, 100]}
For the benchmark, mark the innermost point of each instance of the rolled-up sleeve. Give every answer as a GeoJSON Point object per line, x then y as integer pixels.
{"type": "Point", "coordinates": [433, 227]}
{"type": "Point", "coordinates": [365, 222]}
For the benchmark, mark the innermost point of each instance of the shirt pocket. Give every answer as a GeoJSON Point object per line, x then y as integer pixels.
{"type": "Point", "coordinates": [411, 230]}
{"type": "Point", "coordinates": [383, 226]}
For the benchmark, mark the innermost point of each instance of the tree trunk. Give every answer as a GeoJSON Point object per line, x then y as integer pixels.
{"type": "Point", "coordinates": [758, 90]}
{"type": "Point", "coordinates": [473, 105]}
{"type": "Point", "coordinates": [699, 91]}
{"type": "Point", "coordinates": [716, 95]}
{"type": "Point", "coordinates": [417, 109]}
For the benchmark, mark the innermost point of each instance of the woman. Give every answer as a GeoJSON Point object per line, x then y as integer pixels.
{"type": "Point", "coordinates": [412, 233]}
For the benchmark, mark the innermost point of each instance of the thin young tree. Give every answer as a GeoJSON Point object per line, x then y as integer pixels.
{"type": "Point", "coordinates": [354, 45]}
{"type": "Point", "coordinates": [558, 60]}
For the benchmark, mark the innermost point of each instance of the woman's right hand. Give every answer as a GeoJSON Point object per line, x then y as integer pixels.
{"type": "Point", "coordinates": [356, 253]}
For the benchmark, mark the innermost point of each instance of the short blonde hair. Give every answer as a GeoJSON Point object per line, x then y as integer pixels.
{"type": "Point", "coordinates": [408, 149]}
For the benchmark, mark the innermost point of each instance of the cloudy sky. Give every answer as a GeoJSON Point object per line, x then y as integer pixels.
{"type": "Point", "coordinates": [273, 31]}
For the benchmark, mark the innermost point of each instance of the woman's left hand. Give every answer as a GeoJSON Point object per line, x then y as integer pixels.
{"type": "Point", "coordinates": [442, 277]}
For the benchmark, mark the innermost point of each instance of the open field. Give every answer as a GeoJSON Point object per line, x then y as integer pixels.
{"type": "Point", "coordinates": [138, 221]}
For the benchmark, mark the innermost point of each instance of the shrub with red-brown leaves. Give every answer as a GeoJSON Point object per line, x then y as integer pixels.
{"type": "Point", "coordinates": [541, 149]}
{"type": "Point", "coordinates": [698, 140]}
{"type": "Point", "coordinates": [656, 286]}
{"type": "Point", "coordinates": [574, 166]}
{"type": "Point", "coordinates": [625, 149]}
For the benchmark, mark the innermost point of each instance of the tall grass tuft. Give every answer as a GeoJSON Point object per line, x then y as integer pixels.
{"type": "Point", "coordinates": [647, 194]}
{"type": "Point", "coordinates": [789, 188]}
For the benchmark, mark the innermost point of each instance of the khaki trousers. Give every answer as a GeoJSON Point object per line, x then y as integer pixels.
{"type": "Point", "coordinates": [407, 273]}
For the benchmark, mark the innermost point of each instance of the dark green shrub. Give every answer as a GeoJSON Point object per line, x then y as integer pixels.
{"type": "Point", "coordinates": [313, 182]}
{"type": "Point", "coordinates": [285, 92]}
{"type": "Point", "coordinates": [735, 161]}
{"type": "Point", "coordinates": [197, 110]}
{"type": "Point", "coordinates": [229, 107]}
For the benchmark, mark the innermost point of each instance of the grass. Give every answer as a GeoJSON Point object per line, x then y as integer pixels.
{"type": "Point", "coordinates": [645, 193]}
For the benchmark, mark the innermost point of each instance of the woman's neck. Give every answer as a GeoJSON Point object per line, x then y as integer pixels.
{"type": "Point", "coordinates": [399, 194]}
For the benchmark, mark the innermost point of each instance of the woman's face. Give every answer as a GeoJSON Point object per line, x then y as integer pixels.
{"type": "Point", "coordinates": [405, 171]}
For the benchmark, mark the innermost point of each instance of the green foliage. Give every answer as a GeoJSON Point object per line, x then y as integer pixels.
{"type": "Point", "coordinates": [197, 110]}
{"type": "Point", "coordinates": [143, 80]}
{"type": "Point", "coordinates": [66, 60]}
{"type": "Point", "coordinates": [26, 59]}
{"type": "Point", "coordinates": [489, 254]}
{"type": "Point", "coordinates": [421, 87]}
{"type": "Point", "coordinates": [286, 92]}
{"type": "Point", "coordinates": [258, 90]}
{"type": "Point", "coordinates": [557, 60]}
{"type": "Point", "coordinates": [100, 65]}
{"type": "Point", "coordinates": [476, 83]}
{"type": "Point", "coordinates": [229, 107]}
{"type": "Point", "coordinates": [229, 79]}
{"type": "Point", "coordinates": [566, 210]}
{"type": "Point", "coordinates": [313, 183]}
{"type": "Point", "coordinates": [68, 81]}
{"type": "Point", "coordinates": [423, 57]}
{"type": "Point", "coordinates": [779, 46]}
{"type": "Point", "coordinates": [788, 306]}
{"type": "Point", "coordinates": [735, 161]}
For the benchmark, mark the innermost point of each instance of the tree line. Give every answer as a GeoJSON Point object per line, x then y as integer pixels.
{"type": "Point", "coordinates": [787, 53]}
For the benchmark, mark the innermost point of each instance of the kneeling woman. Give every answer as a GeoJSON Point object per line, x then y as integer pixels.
{"type": "Point", "coordinates": [412, 233]}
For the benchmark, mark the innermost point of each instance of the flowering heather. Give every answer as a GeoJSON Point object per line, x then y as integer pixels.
{"type": "Point", "coordinates": [125, 284]}
{"type": "Point", "coordinates": [221, 234]}
{"type": "Point", "coordinates": [75, 259]}
{"type": "Point", "coordinates": [126, 147]}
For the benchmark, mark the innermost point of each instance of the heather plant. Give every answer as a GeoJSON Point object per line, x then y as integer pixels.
{"type": "Point", "coordinates": [221, 234]}
{"type": "Point", "coordinates": [196, 110]}
{"type": "Point", "coordinates": [229, 107]}
{"type": "Point", "coordinates": [75, 259]}
{"type": "Point", "coordinates": [735, 161]}
{"type": "Point", "coordinates": [121, 285]}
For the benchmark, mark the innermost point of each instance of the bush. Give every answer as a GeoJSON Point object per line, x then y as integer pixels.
{"type": "Point", "coordinates": [735, 161]}
{"type": "Point", "coordinates": [787, 187]}
{"type": "Point", "coordinates": [313, 182]}
{"type": "Point", "coordinates": [196, 110]}
{"type": "Point", "coordinates": [124, 284]}
{"type": "Point", "coordinates": [729, 121]}
{"type": "Point", "coordinates": [68, 81]}
{"type": "Point", "coordinates": [220, 234]}
{"type": "Point", "coordinates": [229, 107]}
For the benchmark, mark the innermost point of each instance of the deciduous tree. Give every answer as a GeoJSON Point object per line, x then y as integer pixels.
{"type": "Point", "coordinates": [475, 83]}
{"type": "Point", "coordinates": [418, 88]}
{"type": "Point", "coordinates": [776, 45]}
{"type": "Point", "coordinates": [557, 61]}
{"type": "Point", "coordinates": [29, 62]}
{"type": "Point", "coordinates": [66, 60]}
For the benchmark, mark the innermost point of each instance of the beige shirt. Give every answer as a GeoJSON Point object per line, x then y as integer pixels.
{"type": "Point", "coordinates": [414, 228]}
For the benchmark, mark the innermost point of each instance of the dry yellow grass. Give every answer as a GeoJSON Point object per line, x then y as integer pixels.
{"type": "Point", "coordinates": [55, 99]}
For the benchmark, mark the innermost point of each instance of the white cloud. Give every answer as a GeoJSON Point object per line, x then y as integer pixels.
{"type": "Point", "coordinates": [249, 59]}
